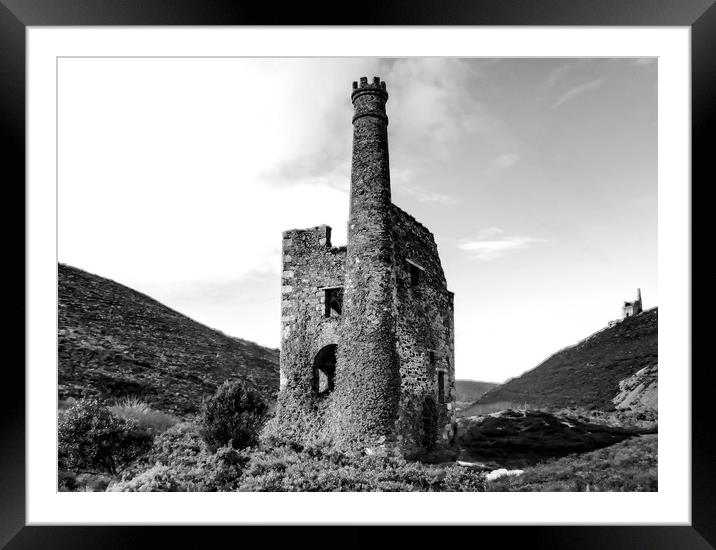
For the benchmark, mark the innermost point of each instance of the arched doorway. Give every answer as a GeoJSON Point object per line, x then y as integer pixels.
{"type": "Point", "coordinates": [324, 370]}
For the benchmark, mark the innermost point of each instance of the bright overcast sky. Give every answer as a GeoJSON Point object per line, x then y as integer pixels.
{"type": "Point", "coordinates": [538, 178]}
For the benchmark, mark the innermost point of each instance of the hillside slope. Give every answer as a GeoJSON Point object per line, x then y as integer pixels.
{"type": "Point", "coordinates": [639, 392]}
{"type": "Point", "coordinates": [471, 390]}
{"type": "Point", "coordinates": [114, 341]}
{"type": "Point", "coordinates": [586, 374]}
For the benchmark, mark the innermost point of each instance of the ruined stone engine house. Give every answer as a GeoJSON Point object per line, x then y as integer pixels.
{"type": "Point", "coordinates": [367, 352]}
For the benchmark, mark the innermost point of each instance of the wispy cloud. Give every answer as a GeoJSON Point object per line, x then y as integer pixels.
{"type": "Point", "coordinates": [492, 243]}
{"type": "Point", "coordinates": [434, 104]}
{"type": "Point", "coordinates": [402, 181]}
{"type": "Point", "coordinates": [577, 90]}
{"type": "Point", "coordinates": [435, 197]}
{"type": "Point", "coordinates": [554, 76]}
{"type": "Point", "coordinates": [506, 160]}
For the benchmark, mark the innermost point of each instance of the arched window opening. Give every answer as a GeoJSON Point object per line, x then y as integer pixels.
{"type": "Point", "coordinates": [333, 302]}
{"type": "Point", "coordinates": [324, 370]}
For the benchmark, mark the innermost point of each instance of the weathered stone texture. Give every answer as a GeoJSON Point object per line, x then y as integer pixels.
{"type": "Point", "coordinates": [394, 335]}
{"type": "Point", "coordinates": [314, 265]}
{"type": "Point", "coordinates": [424, 332]}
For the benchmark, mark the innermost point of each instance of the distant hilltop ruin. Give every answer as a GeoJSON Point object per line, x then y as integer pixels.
{"type": "Point", "coordinates": [632, 308]}
{"type": "Point", "coordinates": [629, 309]}
{"type": "Point", "coordinates": [367, 353]}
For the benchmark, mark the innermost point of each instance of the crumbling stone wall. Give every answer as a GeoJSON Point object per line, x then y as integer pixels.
{"type": "Point", "coordinates": [424, 313]}
{"type": "Point", "coordinates": [394, 335]}
{"type": "Point", "coordinates": [309, 265]}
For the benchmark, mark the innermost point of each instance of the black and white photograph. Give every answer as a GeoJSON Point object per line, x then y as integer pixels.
{"type": "Point", "coordinates": [357, 274]}
{"type": "Point", "coordinates": [337, 270]}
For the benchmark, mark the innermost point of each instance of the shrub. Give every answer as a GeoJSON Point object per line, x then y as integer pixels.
{"type": "Point", "coordinates": [317, 468]}
{"type": "Point", "coordinates": [181, 461]}
{"type": "Point", "coordinates": [83, 482]}
{"type": "Point", "coordinates": [132, 408]}
{"type": "Point", "coordinates": [92, 440]}
{"type": "Point", "coordinates": [232, 416]}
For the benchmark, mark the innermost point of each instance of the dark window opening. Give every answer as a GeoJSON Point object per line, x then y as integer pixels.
{"type": "Point", "coordinates": [324, 370]}
{"type": "Point", "coordinates": [431, 355]}
{"type": "Point", "coordinates": [430, 423]}
{"type": "Point", "coordinates": [414, 275]}
{"type": "Point", "coordinates": [334, 302]}
{"type": "Point", "coordinates": [441, 386]}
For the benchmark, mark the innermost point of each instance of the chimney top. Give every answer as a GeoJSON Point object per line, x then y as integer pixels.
{"type": "Point", "coordinates": [377, 86]}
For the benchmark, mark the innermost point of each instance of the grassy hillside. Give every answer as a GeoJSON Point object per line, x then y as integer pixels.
{"type": "Point", "coordinates": [471, 390]}
{"type": "Point", "coordinates": [631, 465]}
{"type": "Point", "coordinates": [516, 439]}
{"type": "Point", "coordinates": [584, 375]}
{"type": "Point", "coordinates": [114, 342]}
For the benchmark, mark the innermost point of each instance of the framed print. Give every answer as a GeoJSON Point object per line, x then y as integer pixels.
{"type": "Point", "coordinates": [284, 268]}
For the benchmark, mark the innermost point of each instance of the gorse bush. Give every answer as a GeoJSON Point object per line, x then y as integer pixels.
{"type": "Point", "coordinates": [291, 467]}
{"type": "Point", "coordinates": [92, 440]}
{"type": "Point", "coordinates": [181, 461]}
{"type": "Point", "coordinates": [133, 408]}
{"type": "Point", "coordinates": [232, 416]}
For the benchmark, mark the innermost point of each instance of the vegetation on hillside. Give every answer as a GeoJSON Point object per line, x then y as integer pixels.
{"type": "Point", "coordinates": [115, 342]}
{"type": "Point", "coordinates": [631, 465]}
{"type": "Point", "coordinates": [515, 439]}
{"type": "Point", "coordinates": [152, 401]}
{"type": "Point", "coordinates": [185, 458]}
{"type": "Point", "coordinates": [136, 410]}
{"type": "Point", "coordinates": [92, 440]}
{"type": "Point", "coordinates": [468, 391]}
{"type": "Point", "coordinates": [585, 375]}
{"type": "Point", "coordinates": [181, 459]}
{"type": "Point", "coordinates": [233, 416]}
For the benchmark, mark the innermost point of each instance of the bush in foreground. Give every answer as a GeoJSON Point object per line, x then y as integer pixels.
{"type": "Point", "coordinates": [291, 467]}
{"type": "Point", "coordinates": [181, 461]}
{"type": "Point", "coordinates": [93, 441]}
{"type": "Point", "coordinates": [233, 416]}
{"type": "Point", "coordinates": [132, 408]}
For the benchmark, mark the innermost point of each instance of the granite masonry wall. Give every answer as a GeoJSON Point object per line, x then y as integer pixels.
{"type": "Point", "coordinates": [425, 339]}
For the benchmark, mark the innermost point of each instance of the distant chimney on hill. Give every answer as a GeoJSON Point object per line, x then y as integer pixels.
{"type": "Point", "coordinates": [632, 308]}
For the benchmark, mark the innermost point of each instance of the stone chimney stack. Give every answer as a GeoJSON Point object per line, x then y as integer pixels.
{"type": "Point", "coordinates": [368, 380]}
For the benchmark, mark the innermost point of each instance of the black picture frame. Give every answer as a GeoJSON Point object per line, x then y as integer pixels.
{"type": "Point", "coordinates": [16, 15]}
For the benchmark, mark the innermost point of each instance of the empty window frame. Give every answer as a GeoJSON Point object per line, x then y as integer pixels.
{"type": "Point", "coordinates": [416, 273]}
{"type": "Point", "coordinates": [441, 386]}
{"type": "Point", "coordinates": [333, 302]}
{"type": "Point", "coordinates": [324, 370]}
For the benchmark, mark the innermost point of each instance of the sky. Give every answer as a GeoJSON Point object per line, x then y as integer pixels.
{"type": "Point", "coordinates": [537, 176]}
